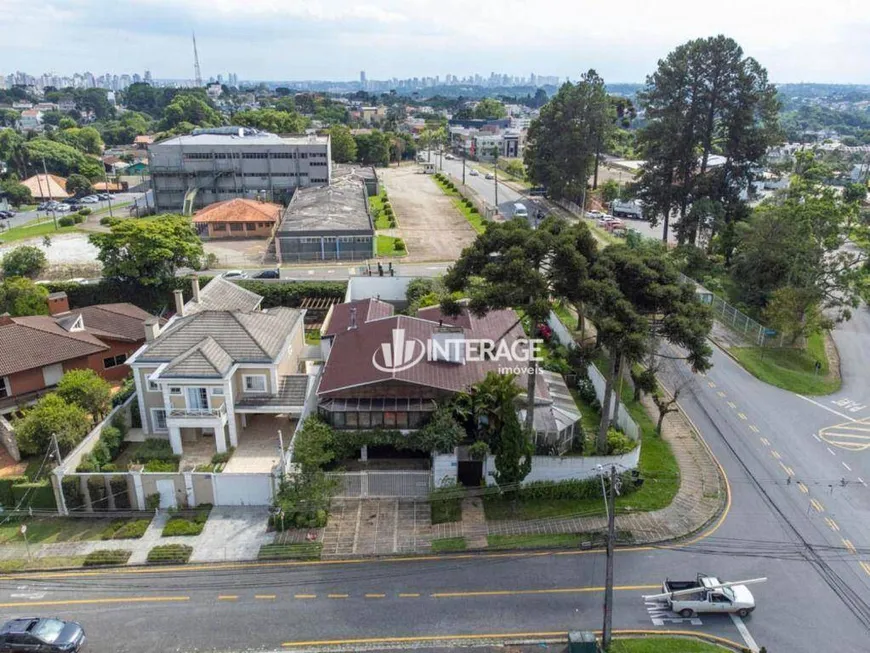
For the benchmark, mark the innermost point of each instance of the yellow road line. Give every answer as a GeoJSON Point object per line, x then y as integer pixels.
{"type": "Point", "coordinates": [557, 635]}
{"type": "Point", "coordinates": [850, 546]}
{"type": "Point", "coordinates": [818, 506]}
{"type": "Point", "coordinates": [409, 596]}
{"type": "Point", "coordinates": [732, 404]}
{"type": "Point", "coordinates": [711, 384]}
{"type": "Point", "coordinates": [305, 596]}
{"type": "Point", "coordinates": [264, 597]}
{"type": "Point", "coordinates": [741, 415]}
{"type": "Point", "coordinates": [788, 470]}
{"type": "Point", "coordinates": [754, 428]}
{"type": "Point", "coordinates": [721, 394]}
{"type": "Point", "coordinates": [803, 488]}
{"type": "Point", "coordinates": [832, 524]}
{"type": "Point", "coordinates": [336, 596]}
{"type": "Point", "coordinates": [376, 596]}
{"type": "Point", "coordinates": [765, 442]}
{"type": "Point", "coordinates": [558, 590]}
{"type": "Point", "coordinates": [865, 567]}
{"type": "Point", "coordinates": [117, 601]}
{"type": "Point", "coordinates": [227, 597]}
{"type": "Point", "coordinates": [775, 454]}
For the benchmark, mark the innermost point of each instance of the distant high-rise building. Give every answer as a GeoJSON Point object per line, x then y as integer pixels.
{"type": "Point", "coordinates": [362, 79]}
{"type": "Point", "coordinates": [220, 78]}
{"type": "Point", "coordinates": [147, 76]}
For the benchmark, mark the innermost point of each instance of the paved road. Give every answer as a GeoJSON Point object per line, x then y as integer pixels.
{"type": "Point", "coordinates": [28, 216]}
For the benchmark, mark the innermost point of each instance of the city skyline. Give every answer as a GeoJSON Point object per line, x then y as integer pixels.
{"type": "Point", "coordinates": [390, 39]}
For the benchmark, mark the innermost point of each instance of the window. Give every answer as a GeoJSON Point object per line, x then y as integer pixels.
{"type": "Point", "coordinates": [415, 420]}
{"type": "Point", "coordinates": [175, 391]}
{"type": "Point", "coordinates": [254, 382]}
{"type": "Point", "coordinates": [377, 420]}
{"type": "Point", "coordinates": [153, 387]}
{"type": "Point", "coordinates": [237, 226]}
{"type": "Point", "coordinates": [114, 361]}
{"type": "Point", "coordinates": [158, 419]}
{"type": "Point", "coordinates": [390, 419]}
{"type": "Point", "coordinates": [217, 392]}
{"type": "Point", "coordinates": [338, 420]}
{"type": "Point", "coordinates": [351, 419]}
{"type": "Point", "coordinates": [402, 420]}
{"type": "Point", "coordinates": [250, 226]}
{"type": "Point", "coordinates": [365, 420]}
{"type": "Point", "coordinates": [219, 226]}
{"type": "Point", "coordinates": [5, 390]}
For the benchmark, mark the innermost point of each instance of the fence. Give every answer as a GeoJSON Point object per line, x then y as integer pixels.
{"type": "Point", "coordinates": [382, 485]}
{"type": "Point", "coordinates": [741, 324]}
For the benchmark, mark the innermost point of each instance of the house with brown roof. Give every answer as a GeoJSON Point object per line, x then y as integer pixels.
{"type": "Point", "coordinates": [45, 187]}
{"type": "Point", "coordinates": [237, 218]}
{"type": "Point", "coordinates": [36, 350]}
{"type": "Point", "coordinates": [391, 371]}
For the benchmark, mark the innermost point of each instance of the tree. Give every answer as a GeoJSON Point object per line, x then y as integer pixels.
{"type": "Point", "coordinates": [513, 456]}
{"type": "Point", "coordinates": [563, 141]}
{"type": "Point", "coordinates": [20, 296]}
{"type": "Point", "coordinates": [489, 109]}
{"type": "Point", "coordinates": [795, 313]}
{"type": "Point", "coordinates": [855, 192]}
{"type": "Point", "coordinates": [148, 252]}
{"type": "Point", "coordinates": [610, 190]}
{"type": "Point", "coordinates": [442, 433]}
{"type": "Point", "coordinates": [86, 139]}
{"type": "Point", "coordinates": [51, 416]}
{"type": "Point", "coordinates": [17, 194]}
{"type": "Point", "coordinates": [9, 117]}
{"type": "Point", "coordinates": [78, 185]}
{"type": "Point", "coordinates": [59, 158]}
{"type": "Point", "coordinates": [280, 122]}
{"type": "Point", "coordinates": [705, 98]}
{"type": "Point", "coordinates": [342, 144]}
{"type": "Point", "coordinates": [87, 389]}
{"type": "Point", "coordinates": [190, 107]}
{"type": "Point", "coordinates": [24, 261]}
{"type": "Point", "coordinates": [373, 148]}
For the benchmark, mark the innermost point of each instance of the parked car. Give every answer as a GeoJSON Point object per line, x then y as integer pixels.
{"type": "Point", "coordinates": [90, 199]}
{"type": "Point", "coordinates": [41, 634]}
{"type": "Point", "coordinates": [473, 172]}
{"type": "Point", "coordinates": [707, 594]}
{"type": "Point", "coordinates": [538, 191]}
{"type": "Point", "coordinates": [69, 200]}
{"type": "Point", "coordinates": [76, 206]}
{"type": "Point", "coordinates": [104, 196]}
{"type": "Point", "coordinates": [489, 175]}
{"type": "Point", "coordinates": [63, 208]}
{"type": "Point", "coordinates": [7, 214]}
{"type": "Point", "coordinates": [234, 274]}
{"type": "Point", "coordinates": [449, 157]}
{"type": "Point", "coordinates": [268, 274]}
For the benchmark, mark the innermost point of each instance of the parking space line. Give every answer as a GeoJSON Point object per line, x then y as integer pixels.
{"type": "Point", "coordinates": [818, 506]}
{"type": "Point", "coordinates": [832, 524]}
{"type": "Point", "coordinates": [775, 454]}
{"type": "Point", "coordinates": [788, 470]}
{"type": "Point", "coordinates": [865, 567]}
{"type": "Point", "coordinates": [744, 633]}
{"type": "Point", "coordinates": [721, 394]}
{"type": "Point", "coordinates": [850, 546]}
{"type": "Point", "coordinates": [830, 451]}
{"type": "Point", "coordinates": [732, 404]}
{"type": "Point", "coordinates": [305, 596]}
{"type": "Point", "coordinates": [753, 428]}
{"type": "Point", "coordinates": [765, 442]}
{"type": "Point", "coordinates": [803, 488]}
{"type": "Point", "coordinates": [741, 415]}
{"type": "Point", "coordinates": [711, 384]}
{"type": "Point", "coordinates": [847, 467]}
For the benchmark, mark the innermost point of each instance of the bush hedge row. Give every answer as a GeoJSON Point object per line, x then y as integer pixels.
{"type": "Point", "coordinates": [107, 557]}
{"type": "Point", "coordinates": [165, 554]}
{"type": "Point", "coordinates": [15, 490]}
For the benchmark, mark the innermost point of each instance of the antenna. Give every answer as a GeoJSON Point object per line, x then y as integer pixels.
{"type": "Point", "coordinates": [196, 69]}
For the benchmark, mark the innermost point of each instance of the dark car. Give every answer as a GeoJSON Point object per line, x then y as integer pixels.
{"type": "Point", "coordinates": [41, 634]}
{"type": "Point", "coordinates": [268, 274]}
{"type": "Point", "coordinates": [7, 214]}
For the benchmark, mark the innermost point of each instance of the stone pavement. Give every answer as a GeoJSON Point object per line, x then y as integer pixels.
{"type": "Point", "coordinates": [232, 533]}
{"type": "Point", "coordinates": [377, 527]}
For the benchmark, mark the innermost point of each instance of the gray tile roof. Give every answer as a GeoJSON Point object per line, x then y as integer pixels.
{"type": "Point", "coordinates": [205, 359]}
{"type": "Point", "coordinates": [291, 392]}
{"type": "Point", "coordinates": [222, 295]}
{"type": "Point", "coordinates": [253, 337]}
{"type": "Point", "coordinates": [340, 208]}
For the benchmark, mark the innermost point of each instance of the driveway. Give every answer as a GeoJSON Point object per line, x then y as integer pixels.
{"type": "Point", "coordinates": [432, 228]}
{"type": "Point", "coordinates": [377, 527]}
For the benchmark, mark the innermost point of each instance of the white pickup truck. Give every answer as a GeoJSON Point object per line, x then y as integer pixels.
{"type": "Point", "coordinates": [707, 594]}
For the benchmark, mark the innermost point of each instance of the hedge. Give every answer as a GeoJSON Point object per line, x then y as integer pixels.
{"type": "Point", "coordinates": [7, 499]}
{"type": "Point", "coordinates": [118, 485]}
{"type": "Point", "coordinates": [588, 488]}
{"type": "Point", "coordinates": [66, 221]}
{"type": "Point", "coordinates": [72, 495]}
{"type": "Point", "coordinates": [292, 294]}
{"type": "Point", "coordinates": [99, 496]}
{"type": "Point", "coordinates": [169, 554]}
{"type": "Point", "coordinates": [130, 530]}
{"type": "Point", "coordinates": [185, 525]}
{"type": "Point", "coordinates": [40, 497]}
{"type": "Point", "coordinates": [107, 557]}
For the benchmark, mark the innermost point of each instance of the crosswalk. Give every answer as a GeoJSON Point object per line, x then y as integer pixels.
{"type": "Point", "coordinates": [853, 436]}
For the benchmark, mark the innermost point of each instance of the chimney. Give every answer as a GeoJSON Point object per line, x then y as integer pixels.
{"type": "Point", "coordinates": [352, 324]}
{"type": "Point", "coordinates": [195, 287]}
{"type": "Point", "coordinates": [152, 329]}
{"type": "Point", "coordinates": [179, 302]}
{"type": "Point", "coordinates": [58, 303]}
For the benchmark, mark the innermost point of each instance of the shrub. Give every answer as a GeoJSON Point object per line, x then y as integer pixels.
{"type": "Point", "coordinates": [118, 485]}
{"type": "Point", "coordinates": [38, 495]}
{"type": "Point", "coordinates": [152, 501]}
{"type": "Point", "coordinates": [169, 554]}
{"type": "Point", "coordinates": [78, 219]}
{"type": "Point", "coordinates": [88, 464]}
{"type": "Point", "coordinates": [446, 504]}
{"type": "Point", "coordinates": [618, 442]}
{"type": "Point", "coordinates": [222, 458]}
{"type": "Point", "coordinates": [130, 530]}
{"type": "Point", "coordinates": [298, 551]}
{"type": "Point", "coordinates": [6, 499]}
{"type": "Point", "coordinates": [154, 449]}
{"type": "Point", "coordinates": [85, 211]}
{"type": "Point", "coordinates": [99, 496]}
{"type": "Point", "coordinates": [108, 221]}
{"type": "Point", "coordinates": [66, 221]}
{"type": "Point", "coordinates": [187, 526]}
{"type": "Point", "coordinates": [164, 466]}
{"type": "Point", "coordinates": [473, 209]}
{"type": "Point", "coordinates": [72, 495]}
{"type": "Point", "coordinates": [135, 415]}
{"type": "Point", "coordinates": [119, 421]}
{"type": "Point", "coordinates": [111, 440]}
{"type": "Point", "coordinates": [399, 245]}
{"type": "Point", "coordinates": [106, 557]}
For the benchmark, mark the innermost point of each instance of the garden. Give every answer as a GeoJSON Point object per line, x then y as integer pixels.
{"type": "Point", "coordinates": [384, 218]}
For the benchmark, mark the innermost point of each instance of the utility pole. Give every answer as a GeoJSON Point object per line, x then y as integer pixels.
{"type": "Point", "coordinates": [606, 633]}
{"type": "Point", "coordinates": [48, 187]}
{"type": "Point", "coordinates": [106, 179]}
{"type": "Point", "coordinates": [463, 167]}
{"type": "Point", "coordinates": [495, 175]}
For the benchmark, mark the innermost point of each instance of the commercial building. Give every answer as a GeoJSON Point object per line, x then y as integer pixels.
{"type": "Point", "coordinates": [212, 165]}
{"type": "Point", "coordinates": [331, 223]}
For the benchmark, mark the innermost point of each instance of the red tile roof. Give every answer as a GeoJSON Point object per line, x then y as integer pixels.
{"type": "Point", "coordinates": [352, 358]}
{"type": "Point", "coordinates": [239, 210]}
{"type": "Point", "coordinates": [366, 310]}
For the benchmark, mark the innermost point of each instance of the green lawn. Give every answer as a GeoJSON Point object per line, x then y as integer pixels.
{"type": "Point", "coordinates": [376, 205]}
{"type": "Point", "coordinates": [542, 541]}
{"type": "Point", "coordinates": [446, 510]}
{"type": "Point", "coordinates": [312, 336]}
{"type": "Point", "coordinates": [790, 369]}
{"type": "Point", "coordinates": [474, 219]}
{"type": "Point", "coordinates": [448, 544]}
{"type": "Point", "coordinates": [387, 246]}
{"type": "Point", "coordinates": [296, 551]}
{"type": "Point", "coordinates": [663, 645]}
{"type": "Point", "coordinates": [31, 230]}
{"type": "Point", "coordinates": [23, 564]}
{"type": "Point", "coordinates": [45, 530]}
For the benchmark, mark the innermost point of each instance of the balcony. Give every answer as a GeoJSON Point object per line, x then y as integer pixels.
{"type": "Point", "coordinates": [199, 413]}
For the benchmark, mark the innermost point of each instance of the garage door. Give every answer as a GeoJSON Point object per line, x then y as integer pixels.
{"type": "Point", "coordinates": [243, 489]}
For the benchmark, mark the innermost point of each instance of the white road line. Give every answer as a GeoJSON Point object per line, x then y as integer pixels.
{"type": "Point", "coordinates": [830, 451]}
{"type": "Point", "coordinates": [861, 481]}
{"type": "Point", "coordinates": [830, 410]}
{"type": "Point", "coordinates": [744, 632]}
{"type": "Point", "coordinates": [847, 467]}
{"type": "Point", "coordinates": [817, 437]}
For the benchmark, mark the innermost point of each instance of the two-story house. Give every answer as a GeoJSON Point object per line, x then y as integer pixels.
{"type": "Point", "coordinates": [220, 368]}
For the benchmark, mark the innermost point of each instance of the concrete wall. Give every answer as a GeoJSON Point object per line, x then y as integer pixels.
{"type": "Point", "coordinates": [334, 248]}
{"type": "Point", "coordinates": [214, 231]}
{"type": "Point", "coordinates": [568, 468]}
{"type": "Point", "coordinates": [7, 439]}
{"type": "Point", "coordinates": [149, 486]}
{"type": "Point", "coordinates": [71, 462]}
{"type": "Point", "coordinates": [444, 469]}
{"type": "Point", "coordinates": [389, 289]}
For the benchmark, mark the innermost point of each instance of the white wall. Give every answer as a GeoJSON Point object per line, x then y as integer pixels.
{"type": "Point", "coordinates": [444, 469]}
{"type": "Point", "coordinates": [568, 468]}
{"type": "Point", "coordinates": [389, 289]}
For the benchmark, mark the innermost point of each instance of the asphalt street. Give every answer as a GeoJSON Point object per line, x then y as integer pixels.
{"type": "Point", "coordinates": [28, 216]}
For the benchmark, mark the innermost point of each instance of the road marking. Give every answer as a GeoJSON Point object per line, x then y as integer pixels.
{"type": "Point", "coordinates": [721, 394]}
{"type": "Point", "coordinates": [754, 428]}
{"type": "Point", "coordinates": [861, 481]}
{"type": "Point", "coordinates": [818, 506]}
{"type": "Point", "coordinates": [120, 600]}
{"type": "Point", "coordinates": [830, 410]}
{"type": "Point", "coordinates": [775, 454]}
{"type": "Point", "coordinates": [832, 524]}
{"type": "Point", "coordinates": [409, 596]}
{"type": "Point", "coordinates": [850, 546]}
{"type": "Point", "coordinates": [227, 597]}
{"type": "Point", "coordinates": [558, 635]}
{"type": "Point", "coordinates": [264, 597]}
{"type": "Point", "coordinates": [846, 466]}
{"type": "Point", "coordinates": [732, 404]}
{"type": "Point", "coordinates": [659, 613]}
{"type": "Point", "coordinates": [765, 442]}
{"type": "Point", "coordinates": [33, 596]}
{"type": "Point", "coordinates": [336, 596]}
{"type": "Point", "coordinates": [866, 568]}
{"type": "Point", "coordinates": [817, 437]}
{"type": "Point", "coordinates": [741, 415]}
{"type": "Point", "coordinates": [376, 596]}
{"type": "Point", "coordinates": [830, 451]}
{"type": "Point", "coordinates": [803, 488]}
{"type": "Point", "coordinates": [744, 632]}
{"type": "Point", "coordinates": [786, 469]}
{"type": "Point", "coordinates": [711, 384]}
{"type": "Point", "coordinates": [557, 590]}
{"type": "Point", "coordinates": [305, 596]}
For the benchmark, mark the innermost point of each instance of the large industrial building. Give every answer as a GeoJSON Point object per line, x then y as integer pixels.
{"type": "Point", "coordinates": [211, 165]}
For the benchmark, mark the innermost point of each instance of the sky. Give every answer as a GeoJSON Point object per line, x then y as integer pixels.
{"type": "Point", "coordinates": [796, 40]}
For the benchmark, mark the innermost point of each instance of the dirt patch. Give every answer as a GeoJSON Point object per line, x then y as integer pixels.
{"type": "Point", "coordinates": [432, 228]}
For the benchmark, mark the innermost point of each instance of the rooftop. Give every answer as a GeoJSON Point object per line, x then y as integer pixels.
{"type": "Point", "coordinates": [222, 295]}
{"type": "Point", "coordinates": [242, 136]}
{"type": "Point", "coordinates": [239, 210]}
{"type": "Point", "coordinates": [340, 207]}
